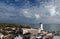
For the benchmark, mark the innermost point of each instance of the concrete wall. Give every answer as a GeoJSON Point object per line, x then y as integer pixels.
{"type": "Point", "coordinates": [33, 31]}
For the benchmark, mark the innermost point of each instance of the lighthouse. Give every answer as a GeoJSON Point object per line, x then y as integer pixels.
{"type": "Point", "coordinates": [41, 26]}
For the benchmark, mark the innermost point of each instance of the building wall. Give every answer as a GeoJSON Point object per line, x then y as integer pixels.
{"type": "Point", "coordinates": [32, 31]}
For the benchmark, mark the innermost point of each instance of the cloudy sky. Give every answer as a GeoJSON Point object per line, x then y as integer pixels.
{"type": "Point", "coordinates": [30, 11]}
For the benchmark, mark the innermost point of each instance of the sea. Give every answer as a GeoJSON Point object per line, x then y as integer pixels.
{"type": "Point", "coordinates": [48, 27]}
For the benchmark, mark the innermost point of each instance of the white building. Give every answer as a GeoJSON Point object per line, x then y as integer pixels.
{"type": "Point", "coordinates": [41, 26]}
{"type": "Point", "coordinates": [31, 30]}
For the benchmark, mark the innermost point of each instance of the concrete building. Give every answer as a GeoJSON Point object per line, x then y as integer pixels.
{"type": "Point", "coordinates": [31, 30]}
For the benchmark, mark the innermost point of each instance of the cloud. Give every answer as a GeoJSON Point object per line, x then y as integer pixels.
{"type": "Point", "coordinates": [26, 13]}
{"type": "Point", "coordinates": [7, 12]}
{"type": "Point", "coordinates": [51, 9]}
{"type": "Point", "coordinates": [16, 0]}
{"type": "Point", "coordinates": [37, 16]}
{"type": "Point", "coordinates": [31, 11]}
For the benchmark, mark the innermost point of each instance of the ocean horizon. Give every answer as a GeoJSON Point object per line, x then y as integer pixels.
{"type": "Point", "coordinates": [48, 27]}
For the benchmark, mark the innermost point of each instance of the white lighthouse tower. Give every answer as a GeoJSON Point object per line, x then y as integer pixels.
{"type": "Point", "coordinates": [41, 26]}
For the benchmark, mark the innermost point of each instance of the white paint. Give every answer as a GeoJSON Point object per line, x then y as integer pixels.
{"type": "Point", "coordinates": [41, 26]}
{"type": "Point", "coordinates": [33, 31]}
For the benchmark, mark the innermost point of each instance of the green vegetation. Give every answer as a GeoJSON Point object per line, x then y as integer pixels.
{"type": "Point", "coordinates": [7, 24]}
{"type": "Point", "coordinates": [14, 25]}
{"type": "Point", "coordinates": [8, 27]}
